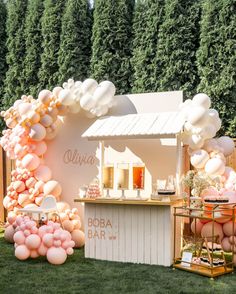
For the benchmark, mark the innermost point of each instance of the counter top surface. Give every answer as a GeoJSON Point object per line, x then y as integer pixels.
{"type": "Point", "coordinates": [128, 201]}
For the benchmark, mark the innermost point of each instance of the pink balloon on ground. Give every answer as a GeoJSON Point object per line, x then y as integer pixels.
{"type": "Point", "coordinates": [34, 254]}
{"type": "Point", "coordinates": [226, 244]}
{"type": "Point", "coordinates": [56, 255]}
{"type": "Point", "coordinates": [42, 250]}
{"type": "Point", "coordinates": [78, 237]}
{"type": "Point", "coordinates": [207, 230]}
{"type": "Point", "coordinates": [22, 252]}
{"type": "Point", "coordinates": [69, 251]}
{"type": "Point", "coordinates": [33, 241]}
{"type": "Point", "coordinates": [9, 233]}
{"type": "Point", "coordinates": [42, 231]}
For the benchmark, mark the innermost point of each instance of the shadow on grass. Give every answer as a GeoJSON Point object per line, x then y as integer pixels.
{"type": "Point", "coordinates": [81, 275]}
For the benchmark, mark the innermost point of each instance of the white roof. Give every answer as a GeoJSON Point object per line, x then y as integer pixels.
{"type": "Point", "coordinates": [142, 125]}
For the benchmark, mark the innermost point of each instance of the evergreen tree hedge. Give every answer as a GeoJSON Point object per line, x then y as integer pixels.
{"type": "Point", "coordinates": [33, 42]}
{"type": "Point", "coordinates": [178, 40]}
{"type": "Point", "coordinates": [51, 30]}
{"type": "Point", "coordinates": [217, 59]}
{"type": "Point", "coordinates": [75, 45]}
{"type": "Point", "coordinates": [111, 41]}
{"type": "Point", "coordinates": [148, 16]}
{"type": "Point", "coordinates": [3, 52]}
{"type": "Point", "coordinates": [16, 50]}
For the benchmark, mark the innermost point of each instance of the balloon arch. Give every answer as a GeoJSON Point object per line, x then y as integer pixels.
{"type": "Point", "coordinates": [32, 122]}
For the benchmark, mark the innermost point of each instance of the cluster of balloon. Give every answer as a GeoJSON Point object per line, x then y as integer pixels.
{"type": "Point", "coordinates": [49, 240]}
{"type": "Point", "coordinates": [208, 154]}
{"type": "Point", "coordinates": [71, 222]}
{"type": "Point", "coordinates": [32, 122]}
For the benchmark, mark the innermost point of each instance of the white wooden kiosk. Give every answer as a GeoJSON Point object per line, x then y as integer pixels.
{"type": "Point", "coordinates": [131, 230]}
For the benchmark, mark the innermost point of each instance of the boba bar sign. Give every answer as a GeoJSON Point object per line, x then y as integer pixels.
{"type": "Point", "coordinates": [100, 229]}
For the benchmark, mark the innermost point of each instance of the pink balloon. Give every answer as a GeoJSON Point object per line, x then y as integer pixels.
{"type": "Point", "coordinates": [57, 243]}
{"type": "Point", "coordinates": [56, 226]}
{"type": "Point", "coordinates": [39, 186]}
{"type": "Point", "coordinates": [69, 251]}
{"type": "Point", "coordinates": [43, 173]}
{"type": "Point", "coordinates": [34, 254]}
{"type": "Point", "coordinates": [30, 161]}
{"type": "Point", "coordinates": [30, 182]}
{"type": "Point", "coordinates": [19, 238]}
{"type": "Point", "coordinates": [33, 241]}
{"type": "Point", "coordinates": [19, 219]}
{"type": "Point", "coordinates": [65, 244]}
{"type": "Point", "coordinates": [9, 233]}
{"type": "Point", "coordinates": [199, 226]}
{"type": "Point", "coordinates": [37, 132]}
{"type": "Point", "coordinates": [42, 250]}
{"type": "Point", "coordinates": [228, 229]}
{"type": "Point", "coordinates": [26, 233]}
{"type": "Point", "coordinates": [52, 188]}
{"type": "Point", "coordinates": [56, 255]}
{"type": "Point", "coordinates": [48, 240]}
{"type": "Point", "coordinates": [79, 238]}
{"type": "Point", "coordinates": [40, 148]}
{"type": "Point", "coordinates": [34, 230]}
{"type": "Point", "coordinates": [22, 252]}
{"type": "Point", "coordinates": [207, 230]}
{"type": "Point", "coordinates": [226, 245]}
{"type": "Point", "coordinates": [19, 186]}
{"type": "Point", "coordinates": [42, 231]}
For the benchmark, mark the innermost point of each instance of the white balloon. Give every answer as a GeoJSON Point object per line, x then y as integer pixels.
{"type": "Point", "coordinates": [195, 142]}
{"type": "Point", "coordinates": [199, 158]}
{"type": "Point", "coordinates": [109, 86]}
{"type": "Point", "coordinates": [227, 144]}
{"type": "Point", "coordinates": [209, 131]}
{"type": "Point", "coordinates": [65, 97]}
{"type": "Point", "coordinates": [24, 108]}
{"type": "Point", "coordinates": [215, 166]}
{"type": "Point", "coordinates": [197, 116]}
{"type": "Point", "coordinates": [87, 102]}
{"type": "Point", "coordinates": [202, 100]}
{"type": "Point", "coordinates": [89, 86]}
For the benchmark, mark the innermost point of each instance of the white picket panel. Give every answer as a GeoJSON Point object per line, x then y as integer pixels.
{"type": "Point", "coordinates": [129, 233]}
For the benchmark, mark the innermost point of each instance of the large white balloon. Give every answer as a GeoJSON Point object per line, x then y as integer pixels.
{"type": "Point", "coordinates": [89, 86]}
{"type": "Point", "coordinates": [199, 158]}
{"type": "Point", "coordinates": [65, 97]}
{"type": "Point", "coordinates": [104, 93]}
{"type": "Point", "coordinates": [227, 145]}
{"type": "Point", "coordinates": [202, 100]}
{"type": "Point", "coordinates": [197, 116]}
{"type": "Point", "coordinates": [215, 166]}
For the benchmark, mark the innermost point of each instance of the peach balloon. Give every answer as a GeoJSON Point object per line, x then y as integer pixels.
{"type": "Point", "coordinates": [78, 237]}
{"type": "Point", "coordinates": [23, 198]}
{"type": "Point", "coordinates": [19, 186]}
{"type": "Point", "coordinates": [228, 229]}
{"type": "Point", "coordinates": [42, 250]}
{"type": "Point", "coordinates": [207, 230]}
{"type": "Point", "coordinates": [30, 161]}
{"type": "Point", "coordinates": [30, 182]}
{"type": "Point", "coordinates": [40, 148]}
{"type": "Point", "coordinates": [48, 239]}
{"type": "Point", "coordinates": [33, 116]}
{"type": "Point", "coordinates": [69, 251]}
{"type": "Point", "coordinates": [226, 244]}
{"type": "Point", "coordinates": [52, 188]}
{"type": "Point", "coordinates": [63, 216]}
{"type": "Point", "coordinates": [39, 199]}
{"type": "Point", "coordinates": [22, 252]}
{"type": "Point", "coordinates": [39, 186]}
{"type": "Point", "coordinates": [62, 206]}
{"type": "Point", "coordinates": [198, 227]}
{"type": "Point", "coordinates": [215, 166]}
{"type": "Point", "coordinates": [37, 132]}
{"type": "Point", "coordinates": [19, 151]}
{"type": "Point", "coordinates": [76, 223]}
{"type": "Point", "coordinates": [9, 233]}
{"type": "Point", "coordinates": [56, 255]}
{"type": "Point", "coordinates": [68, 225]}
{"type": "Point", "coordinates": [19, 238]}
{"type": "Point", "coordinates": [45, 96]}
{"type": "Point", "coordinates": [33, 241]}
{"type": "Point", "coordinates": [43, 173]}
{"type": "Point", "coordinates": [46, 120]}
{"type": "Point", "coordinates": [34, 254]}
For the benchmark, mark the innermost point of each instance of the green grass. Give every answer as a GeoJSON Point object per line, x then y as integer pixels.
{"type": "Point", "coordinates": [80, 275]}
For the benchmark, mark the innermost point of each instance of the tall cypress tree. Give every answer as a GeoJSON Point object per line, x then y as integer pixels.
{"type": "Point", "coordinates": [33, 42]}
{"type": "Point", "coordinates": [51, 30]}
{"type": "Point", "coordinates": [217, 59]}
{"type": "Point", "coordinates": [75, 45]}
{"type": "Point", "coordinates": [176, 51]}
{"type": "Point", "coordinates": [3, 52]}
{"type": "Point", "coordinates": [148, 16]}
{"type": "Point", "coordinates": [16, 50]}
{"type": "Point", "coordinates": [112, 35]}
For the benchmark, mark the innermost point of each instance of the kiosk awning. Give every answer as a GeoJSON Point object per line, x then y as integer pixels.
{"type": "Point", "coordinates": [141, 125]}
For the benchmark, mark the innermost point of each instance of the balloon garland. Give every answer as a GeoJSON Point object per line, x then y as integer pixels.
{"type": "Point", "coordinates": [33, 122]}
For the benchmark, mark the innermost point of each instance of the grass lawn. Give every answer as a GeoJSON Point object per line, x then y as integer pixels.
{"type": "Point", "coordinates": [80, 275]}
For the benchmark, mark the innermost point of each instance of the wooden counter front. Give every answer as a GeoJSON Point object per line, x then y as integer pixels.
{"type": "Point", "coordinates": [138, 231]}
